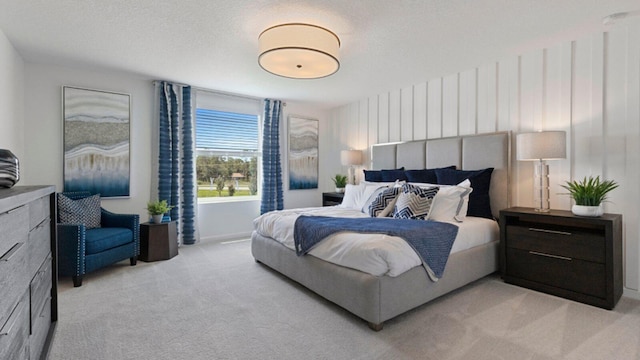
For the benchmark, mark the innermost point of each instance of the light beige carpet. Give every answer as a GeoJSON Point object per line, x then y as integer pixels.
{"type": "Point", "coordinates": [213, 301]}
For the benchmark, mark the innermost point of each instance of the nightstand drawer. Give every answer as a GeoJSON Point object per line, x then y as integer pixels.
{"type": "Point", "coordinates": [568, 242]}
{"type": "Point", "coordinates": [561, 272]}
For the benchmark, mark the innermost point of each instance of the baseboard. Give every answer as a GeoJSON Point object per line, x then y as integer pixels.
{"type": "Point", "coordinates": [226, 237]}
{"type": "Point", "coordinates": [630, 293]}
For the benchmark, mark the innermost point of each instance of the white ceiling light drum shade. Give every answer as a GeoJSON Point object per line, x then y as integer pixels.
{"type": "Point", "coordinates": [542, 145]}
{"type": "Point", "coordinates": [299, 51]}
{"type": "Point", "coordinates": [351, 157]}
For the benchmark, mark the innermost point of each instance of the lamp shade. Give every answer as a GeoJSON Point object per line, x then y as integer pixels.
{"type": "Point", "coordinates": [542, 145]}
{"type": "Point", "coordinates": [299, 51]}
{"type": "Point", "coordinates": [351, 157]}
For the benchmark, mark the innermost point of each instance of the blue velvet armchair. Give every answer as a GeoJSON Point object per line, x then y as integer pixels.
{"type": "Point", "coordinates": [82, 250]}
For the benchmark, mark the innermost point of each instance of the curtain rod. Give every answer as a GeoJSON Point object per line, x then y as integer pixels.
{"type": "Point", "coordinates": [217, 92]}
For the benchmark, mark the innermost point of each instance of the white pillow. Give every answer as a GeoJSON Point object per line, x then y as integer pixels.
{"type": "Point", "coordinates": [352, 196]}
{"type": "Point", "coordinates": [451, 202]}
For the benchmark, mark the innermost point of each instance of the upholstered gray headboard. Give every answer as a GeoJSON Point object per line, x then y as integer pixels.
{"type": "Point", "coordinates": [472, 152]}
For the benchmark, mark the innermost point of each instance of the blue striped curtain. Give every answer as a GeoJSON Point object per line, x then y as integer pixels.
{"type": "Point", "coordinates": [174, 141]}
{"type": "Point", "coordinates": [271, 167]}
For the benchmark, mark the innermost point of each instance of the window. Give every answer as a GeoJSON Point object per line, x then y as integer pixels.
{"type": "Point", "coordinates": [227, 153]}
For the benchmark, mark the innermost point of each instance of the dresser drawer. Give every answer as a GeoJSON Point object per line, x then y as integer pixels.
{"type": "Point", "coordinates": [40, 290]}
{"type": "Point", "coordinates": [568, 242]}
{"type": "Point", "coordinates": [39, 245]}
{"type": "Point", "coordinates": [15, 227]}
{"type": "Point", "coordinates": [14, 332]}
{"type": "Point", "coordinates": [38, 211]}
{"type": "Point", "coordinates": [14, 278]}
{"type": "Point", "coordinates": [40, 328]}
{"type": "Point", "coordinates": [566, 273]}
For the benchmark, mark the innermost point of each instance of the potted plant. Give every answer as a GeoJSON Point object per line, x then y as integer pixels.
{"type": "Point", "coordinates": [589, 193]}
{"type": "Point", "coordinates": [157, 209]}
{"type": "Point", "coordinates": [340, 181]}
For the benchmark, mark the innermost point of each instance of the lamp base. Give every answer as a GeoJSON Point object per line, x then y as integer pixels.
{"type": "Point", "coordinates": [351, 175]}
{"type": "Point", "coordinates": [541, 186]}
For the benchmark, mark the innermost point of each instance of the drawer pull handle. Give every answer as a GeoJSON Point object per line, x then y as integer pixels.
{"type": "Point", "coordinates": [550, 231]}
{"type": "Point", "coordinates": [9, 254]}
{"type": "Point", "coordinates": [6, 330]}
{"type": "Point", "coordinates": [551, 256]}
{"type": "Point", "coordinates": [13, 210]}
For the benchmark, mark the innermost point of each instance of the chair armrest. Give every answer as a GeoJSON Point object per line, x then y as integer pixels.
{"type": "Point", "coordinates": [71, 249]}
{"type": "Point", "coordinates": [129, 221]}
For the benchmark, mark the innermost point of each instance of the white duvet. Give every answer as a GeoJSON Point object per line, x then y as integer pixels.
{"type": "Point", "coordinates": [375, 254]}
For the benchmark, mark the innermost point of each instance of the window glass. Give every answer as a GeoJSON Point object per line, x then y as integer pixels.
{"type": "Point", "coordinates": [227, 159]}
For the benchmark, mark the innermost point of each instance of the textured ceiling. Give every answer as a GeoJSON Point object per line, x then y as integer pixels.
{"type": "Point", "coordinates": [386, 44]}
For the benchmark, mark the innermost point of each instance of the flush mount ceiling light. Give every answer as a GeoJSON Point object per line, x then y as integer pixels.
{"type": "Point", "coordinates": [299, 51]}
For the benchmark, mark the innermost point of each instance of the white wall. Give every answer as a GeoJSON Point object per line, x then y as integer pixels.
{"type": "Point", "coordinates": [589, 87]}
{"type": "Point", "coordinates": [43, 124]}
{"type": "Point", "coordinates": [11, 99]}
{"type": "Point", "coordinates": [43, 154]}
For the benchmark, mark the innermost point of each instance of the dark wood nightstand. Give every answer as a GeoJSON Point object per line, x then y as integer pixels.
{"type": "Point", "coordinates": [158, 241]}
{"type": "Point", "coordinates": [332, 198]}
{"type": "Point", "coordinates": [578, 258]}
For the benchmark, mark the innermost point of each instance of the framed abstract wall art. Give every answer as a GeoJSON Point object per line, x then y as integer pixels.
{"type": "Point", "coordinates": [96, 141]}
{"type": "Point", "coordinates": [303, 153]}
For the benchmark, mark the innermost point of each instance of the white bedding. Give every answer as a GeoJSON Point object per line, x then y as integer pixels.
{"type": "Point", "coordinates": [376, 254]}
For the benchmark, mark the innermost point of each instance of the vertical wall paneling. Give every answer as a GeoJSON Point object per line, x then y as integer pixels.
{"type": "Point", "coordinates": [363, 126]}
{"type": "Point", "coordinates": [589, 88]}
{"type": "Point", "coordinates": [373, 129]}
{"type": "Point", "coordinates": [557, 116]}
{"type": "Point", "coordinates": [394, 115]}
{"type": "Point", "coordinates": [531, 109]}
{"type": "Point", "coordinates": [406, 114]}
{"type": "Point", "coordinates": [420, 111]}
{"type": "Point", "coordinates": [467, 103]}
{"type": "Point", "coordinates": [450, 105]}
{"type": "Point", "coordinates": [383, 118]}
{"type": "Point", "coordinates": [487, 98]}
{"type": "Point", "coordinates": [434, 108]}
{"type": "Point", "coordinates": [587, 106]}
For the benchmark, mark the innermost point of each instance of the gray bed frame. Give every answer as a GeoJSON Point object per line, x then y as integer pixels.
{"type": "Point", "coordinates": [379, 298]}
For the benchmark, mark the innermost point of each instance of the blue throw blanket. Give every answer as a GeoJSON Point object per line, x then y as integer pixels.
{"type": "Point", "coordinates": [431, 240]}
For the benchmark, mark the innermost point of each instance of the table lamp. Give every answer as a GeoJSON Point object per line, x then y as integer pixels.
{"type": "Point", "coordinates": [540, 146]}
{"type": "Point", "coordinates": [351, 158]}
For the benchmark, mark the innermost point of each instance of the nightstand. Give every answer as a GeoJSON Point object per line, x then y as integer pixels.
{"type": "Point", "coordinates": [578, 258]}
{"type": "Point", "coordinates": [158, 241]}
{"type": "Point", "coordinates": [332, 198]}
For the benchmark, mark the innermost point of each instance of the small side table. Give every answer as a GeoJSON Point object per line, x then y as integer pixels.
{"type": "Point", "coordinates": [332, 198]}
{"type": "Point", "coordinates": [158, 241]}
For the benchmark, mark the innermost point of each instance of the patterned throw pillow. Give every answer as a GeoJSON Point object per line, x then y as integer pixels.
{"type": "Point", "coordinates": [383, 203]}
{"type": "Point", "coordinates": [414, 202]}
{"type": "Point", "coordinates": [82, 211]}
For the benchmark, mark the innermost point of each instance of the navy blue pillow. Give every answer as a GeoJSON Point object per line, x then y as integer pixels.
{"type": "Point", "coordinates": [479, 202]}
{"type": "Point", "coordinates": [425, 175]}
{"type": "Point", "coordinates": [393, 175]}
{"type": "Point", "coordinates": [381, 175]}
{"type": "Point", "coordinates": [373, 175]}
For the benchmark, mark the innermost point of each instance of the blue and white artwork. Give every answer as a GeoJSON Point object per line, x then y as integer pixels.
{"type": "Point", "coordinates": [96, 142]}
{"type": "Point", "coordinates": [303, 153]}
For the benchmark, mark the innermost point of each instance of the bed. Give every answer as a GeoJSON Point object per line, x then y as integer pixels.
{"type": "Point", "coordinates": [376, 299]}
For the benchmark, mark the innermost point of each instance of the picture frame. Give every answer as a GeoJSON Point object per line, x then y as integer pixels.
{"type": "Point", "coordinates": [96, 141]}
{"type": "Point", "coordinates": [303, 154]}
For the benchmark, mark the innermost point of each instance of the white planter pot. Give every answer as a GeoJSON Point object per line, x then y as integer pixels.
{"type": "Point", "coordinates": [339, 190]}
{"type": "Point", "coordinates": [592, 211]}
{"type": "Point", "coordinates": [157, 219]}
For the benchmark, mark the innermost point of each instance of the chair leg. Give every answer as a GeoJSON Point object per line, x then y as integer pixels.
{"type": "Point", "coordinates": [133, 260]}
{"type": "Point", "coordinates": [77, 281]}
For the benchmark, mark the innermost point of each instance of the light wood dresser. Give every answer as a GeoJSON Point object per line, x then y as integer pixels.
{"type": "Point", "coordinates": [28, 276]}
